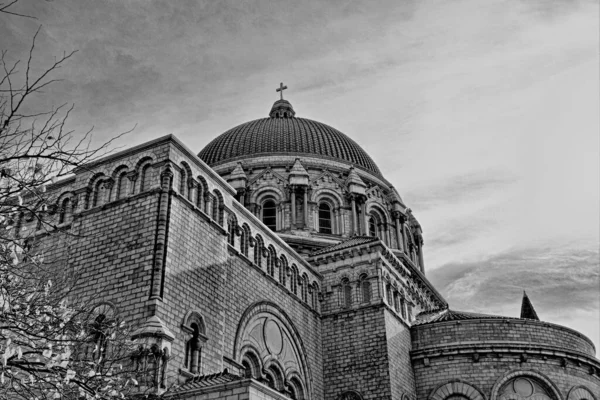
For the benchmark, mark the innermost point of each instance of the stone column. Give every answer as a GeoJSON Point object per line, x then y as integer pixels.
{"type": "Point", "coordinates": [419, 240]}
{"type": "Point", "coordinates": [293, 200]}
{"type": "Point", "coordinates": [396, 216]}
{"type": "Point", "coordinates": [354, 217]}
{"type": "Point", "coordinates": [365, 220]}
{"type": "Point", "coordinates": [133, 176]}
{"type": "Point", "coordinates": [305, 209]}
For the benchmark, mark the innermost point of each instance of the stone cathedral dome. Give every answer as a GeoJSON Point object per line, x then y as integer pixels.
{"type": "Point", "coordinates": [283, 133]}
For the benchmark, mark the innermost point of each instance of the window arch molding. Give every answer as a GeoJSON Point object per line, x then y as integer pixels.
{"type": "Point", "coordinates": [580, 392]}
{"type": "Point", "coordinates": [251, 359]}
{"type": "Point", "coordinates": [261, 194]}
{"type": "Point", "coordinates": [195, 329]}
{"type": "Point", "coordinates": [456, 387]}
{"type": "Point", "coordinates": [144, 170]}
{"type": "Point", "coordinates": [266, 309]}
{"type": "Point", "coordinates": [532, 374]}
{"type": "Point", "coordinates": [331, 199]}
{"type": "Point", "coordinates": [119, 176]}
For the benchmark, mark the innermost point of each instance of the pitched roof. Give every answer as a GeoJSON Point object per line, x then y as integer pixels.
{"type": "Point", "coordinates": [434, 316]}
{"type": "Point", "coordinates": [206, 381]}
{"type": "Point", "coordinates": [527, 310]}
{"type": "Point", "coordinates": [355, 241]}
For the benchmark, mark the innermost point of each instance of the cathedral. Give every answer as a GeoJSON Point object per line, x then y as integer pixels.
{"type": "Point", "coordinates": [279, 263]}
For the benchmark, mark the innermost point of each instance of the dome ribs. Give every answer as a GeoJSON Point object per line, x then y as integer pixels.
{"type": "Point", "coordinates": [286, 135]}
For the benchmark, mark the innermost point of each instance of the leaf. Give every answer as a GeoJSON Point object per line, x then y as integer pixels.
{"type": "Point", "coordinates": [91, 373]}
{"type": "Point", "coordinates": [70, 374]}
{"type": "Point", "coordinates": [47, 353]}
{"type": "Point", "coordinates": [134, 381]}
{"type": "Point", "coordinates": [19, 353]}
{"type": "Point", "coordinates": [2, 378]}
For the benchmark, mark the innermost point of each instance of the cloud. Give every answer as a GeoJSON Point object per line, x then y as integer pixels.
{"type": "Point", "coordinates": [561, 282]}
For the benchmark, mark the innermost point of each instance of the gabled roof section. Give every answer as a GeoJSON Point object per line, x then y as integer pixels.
{"type": "Point", "coordinates": [206, 381]}
{"type": "Point", "coordinates": [355, 241]}
{"type": "Point", "coordinates": [451, 315]}
{"type": "Point", "coordinates": [267, 171]}
{"type": "Point", "coordinates": [527, 310]}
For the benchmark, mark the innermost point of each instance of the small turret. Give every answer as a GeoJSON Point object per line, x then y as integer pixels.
{"type": "Point", "coordinates": [527, 310]}
{"type": "Point", "coordinates": [355, 184]}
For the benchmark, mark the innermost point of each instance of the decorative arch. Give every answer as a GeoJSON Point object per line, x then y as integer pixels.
{"type": "Point", "coordinates": [251, 362]}
{"type": "Point", "coordinates": [218, 207]}
{"type": "Point", "coordinates": [260, 195]}
{"type": "Point", "coordinates": [267, 331]}
{"type": "Point", "coordinates": [364, 285]}
{"type": "Point", "coordinates": [294, 276]}
{"type": "Point", "coordinates": [271, 260]}
{"type": "Point", "coordinates": [185, 176]}
{"type": "Point", "coordinates": [345, 293]}
{"type": "Point", "coordinates": [283, 267]}
{"type": "Point", "coordinates": [202, 194]}
{"type": "Point", "coordinates": [305, 287]}
{"type": "Point", "coordinates": [144, 170]}
{"type": "Point", "coordinates": [258, 250]}
{"type": "Point", "coordinates": [314, 295]}
{"type": "Point", "coordinates": [119, 176]}
{"type": "Point", "coordinates": [195, 329]}
{"type": "Point", "coordinates": [580, 393]}
{"type": "Point", "coordinates": [245, 239]}
{"type": "Point", "coordinates": [350, 395]}
{"type": "Point", "coordinates": [232, 226]}
{"type": "Point", "coordinates": [456, 387]}
{"type": "Point", "coordinates": [326, 194]}
{"type": "Point", "coordinates": [539, 382]}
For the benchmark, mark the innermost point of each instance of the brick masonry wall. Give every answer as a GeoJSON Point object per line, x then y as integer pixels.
{"type": "Point", "coordinates": [402, 380]}
{"type": "Point", "coordinates": [114, 248]}
{"type": "Point", "coordinates": [484, 374]}
{"type": "Point", "coordinates": [355, 353]}
{"type": "Point", "coordinates": [203, 274]}
{"type": "Point", "coordinates": [501, 330]}
{"type": "Point", "coordinates": [443, 352]}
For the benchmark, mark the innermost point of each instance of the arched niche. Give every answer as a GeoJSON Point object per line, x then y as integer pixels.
{"type": "Point", "coordinates": [525, 385]}
{"type": "Point", "coordinates": [266, 333]}
{"type": "Point", "coordinates": [455, 390]}
{"type": "Point", "coordinates": [580, 393]}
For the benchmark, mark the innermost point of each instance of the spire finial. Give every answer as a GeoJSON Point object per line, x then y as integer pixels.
{"type": "Point", "coordinates": [527, 310]}
{"type": "Point", "coordinates": [281, 89]}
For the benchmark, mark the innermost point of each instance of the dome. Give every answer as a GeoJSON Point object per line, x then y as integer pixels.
{"type": "Point", "coordinates": [283, 133]}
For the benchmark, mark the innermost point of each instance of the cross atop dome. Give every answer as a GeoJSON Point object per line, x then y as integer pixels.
{"type": "Point", "coordinates": [281, 89]}
{"type": "Point", "coordinates": [282, 108]}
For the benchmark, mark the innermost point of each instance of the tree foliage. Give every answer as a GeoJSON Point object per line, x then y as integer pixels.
{"type": "Point", "coordinates": [52, 345]}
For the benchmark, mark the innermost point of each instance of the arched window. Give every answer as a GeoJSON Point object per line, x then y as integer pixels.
{"type": "Point", "coordinates": [271, 261]}
{"type": "Point", "coordinates": [99, 330]}
{"type": "Point", "coordinates": [269, 214]}
{"type": "Point", "coordinates": [305, 288]}
{"type": "Point", "coordinates": [193, 349]}
{"type": "Point", "coordinates": [251, 365]}
{"type": "Point", "coordinates": [65, 211]}
{"type": "Point", "coordinates": [296, 391]}
{"type": "Point", "coordinates": [258, 249]}
{"type": "Point", "coordinates": [325, 218]}
{"type": "Point", "coordinates": [145, 178]}
{"type": "Point", "coordinates": [346, 294]}
{"type": "Point", "coordinates": [390, 298]}
{"type": "Point", "coordinates": [99, 191]}
{"type": "Point", "coordinates": [365, 287]}
{"type": "Point", "coordinates": [294, 280]}
{"type": "Point", "coordinates": [283, 265]}
{"type": "Point", "coordinates": [372, 227]}
{"type": "Point", "coordinates": [314, 295]}
{"type": "Point", "coordinates": [244, 239]}
{"type": "Point", "coordinates": [396, 301]}
{"type": "Point", "coordinates": [122, 186]}
{"type": "Point", "coordinates": [183, 182]}
{"type": "Point", "coordinates": [231, 229]}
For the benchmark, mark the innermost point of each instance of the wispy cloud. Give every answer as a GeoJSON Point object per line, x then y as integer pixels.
{"type": "Point", "coordinates": [561, 283]}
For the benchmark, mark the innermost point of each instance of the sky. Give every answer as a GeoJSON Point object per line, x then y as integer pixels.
{"type": "Point", "coordinates": [483, 114]}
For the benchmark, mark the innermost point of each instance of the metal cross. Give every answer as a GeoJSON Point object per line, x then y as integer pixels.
{"type": "Point", "coordinates": [281, 89]}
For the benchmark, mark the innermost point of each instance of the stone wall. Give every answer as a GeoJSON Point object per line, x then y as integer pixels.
{"type": "Point", "coordinates": [479, 356]}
